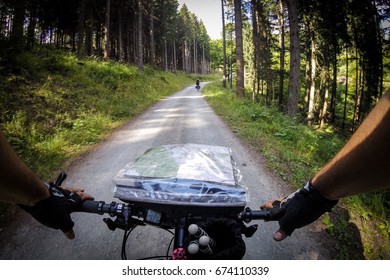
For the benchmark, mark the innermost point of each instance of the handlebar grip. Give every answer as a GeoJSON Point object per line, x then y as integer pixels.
{"type": "Point", "coordinates": [91, 206]}
{"type": "Point", "coordinates": [260, 215]}
{"type": "Point", "coordinates": [249, 215]}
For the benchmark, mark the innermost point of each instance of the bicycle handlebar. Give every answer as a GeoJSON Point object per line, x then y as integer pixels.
{"type": "Point", "coordinates": [248, 215]}
{"type": "Point", "coordinates": [125, 210]}
{"type": "Point", "coordinates": [100, 207]}
{"type": "Point", "coordinates": [91, 206]}
{"type": "Point", "coordinates": [128, 216]}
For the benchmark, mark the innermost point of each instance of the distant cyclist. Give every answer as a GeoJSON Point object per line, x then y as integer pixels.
{"type": "Point", "coordinates": [197, 85]}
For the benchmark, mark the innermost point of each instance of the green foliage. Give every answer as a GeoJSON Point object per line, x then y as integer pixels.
{"type": "Point", "coordinates": [371, 211]}
{"type": "Point", "coordinates": [295, 153]}
{"type": "Point", "coordinates": [63, 18]}
{"type": "Point", "coordinates": [346, 234]}
{"type": "Point", "coordinates": [216, 54]}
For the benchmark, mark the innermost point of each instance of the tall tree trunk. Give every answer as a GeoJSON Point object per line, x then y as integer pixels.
{"type": "Point", "coordinates": [190, 66]}
{"type": "Point", "coordinates": [128, 32]}
{"type": "Point", "coordinates": [165, 56]}
{"type": "Point", "coordinates": [224, 43]}
{"type": "Point", "coordinates": [184, 56]}
{"type": "Point", "coordinates": [135, 40]}
{"type": "Point", "coordinates": [294, 78]}
{"type": "Point", "coordinates": [98, 41]}
{"type": "Point", "coordinates": [140, 37]}
{"type": "Point", "coordinates": [187, 57]}
{"type": "Point", "coordinates": [231, 61]}
{"type": "Point", "coordinates": [152, 43]}
{"type": "Point", "coordinates": [326, 83]}
{"type": "Point", "coordinates": [325, 104]}
{"type": "Point", "coordinates": [195, 57]}
{"type": "Point", "coordinates": [346, 88]}
{"type": "Point", "coordinates": [32, 24]}
{"type": "Point", "coordinates": [204, 63]}
{"type": "Point", "coordinates": [281, 54]}
{"type": "Point", "coordinates": [17, 37]}
{"type": "Point", "coordinates": [240, 83]}
{"type": "Point", "coordinates": [334, 89]}
{"type": "Point", "coordinates": [310, 113]}
{"type": "Point", "coordinates": [360, 113]}
{"type": "Point", "coordinates": [357, 75]}
{"type": "Point", "coordinates": [89, 34]}
{"type": "Point", "coordinates": [307, 63]}
{"type": "Point", "coordinates": [174, 59]}
{"type": "Point", "coordinates": [120, 36]}
{"type": "Point", "coordinates": [257, 51]}
{"type": "Point", "coordinates": [107, 48]}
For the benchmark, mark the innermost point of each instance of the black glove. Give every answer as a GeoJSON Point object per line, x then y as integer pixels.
{"type": "Point", "coordinates": [54, 211]}
{"type": "Point", "coordinates": [301, 208]}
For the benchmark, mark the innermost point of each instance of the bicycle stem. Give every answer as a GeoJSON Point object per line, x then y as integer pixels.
{"type": "Point", "coordinates": [179, 252]}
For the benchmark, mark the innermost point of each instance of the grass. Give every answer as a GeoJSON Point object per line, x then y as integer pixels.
{"type": "Point", "coordinates": [360, 224]}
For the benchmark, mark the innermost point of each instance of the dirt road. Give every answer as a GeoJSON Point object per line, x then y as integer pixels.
{"type": "Point", "coordinates": [184, 117]}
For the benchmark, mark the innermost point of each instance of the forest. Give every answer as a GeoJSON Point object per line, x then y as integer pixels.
{"type": "Point", "coordinates": [325, 62]}
{"type": "Point", "coordinates": [131, 31]}
{"type": "Point", "coordinates": [66, 66]}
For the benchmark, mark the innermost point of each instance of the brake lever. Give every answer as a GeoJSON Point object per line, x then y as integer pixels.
{"type": "Point", "coordinates": [60, 179]}
{"type": "Point", "coordinates": [121, 223]}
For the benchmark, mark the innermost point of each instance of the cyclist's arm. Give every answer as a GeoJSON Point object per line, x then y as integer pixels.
{"type": "Point", "coordinates": [363, 164]}
{"type": "Point", "coordinates": [18, 184]}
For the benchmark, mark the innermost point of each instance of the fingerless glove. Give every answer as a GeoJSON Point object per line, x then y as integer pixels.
{"type": "Point", "coordinates": [303, 207]}
{"type": "Point", "coordinates": [54, 211]}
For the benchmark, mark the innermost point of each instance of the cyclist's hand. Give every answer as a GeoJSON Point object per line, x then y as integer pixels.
{"type": "Point", "coordinates": [55, 210]}
{"type": "Point", "coordinates": [298, 209]}
{"type": "Point", "coordinates": [83, 196]}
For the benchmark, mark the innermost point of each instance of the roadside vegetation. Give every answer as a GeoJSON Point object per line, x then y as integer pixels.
{"type": "Point", "coordinates": [294, 152]}
{"type": "Point", "coordinates": [54, 106]}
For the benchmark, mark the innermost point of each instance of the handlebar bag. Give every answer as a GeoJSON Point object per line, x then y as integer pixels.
{"type": "Point", "coordinates": [183, 174]}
